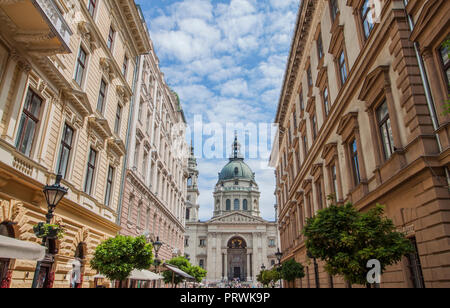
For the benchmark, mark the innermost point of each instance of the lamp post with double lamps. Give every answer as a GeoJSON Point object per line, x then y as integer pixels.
{"type": "Point", "coordinates": [53, 195]}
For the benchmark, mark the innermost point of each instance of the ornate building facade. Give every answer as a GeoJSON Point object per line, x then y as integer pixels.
{"type": "Point", "coordinates": [66, 78]}
{"type": "Point", "coordinates": [236, 242]}
{"type": "Point", "coordinates": [361, 118]}
{"type": "Point", "coordinates": [155, 185]}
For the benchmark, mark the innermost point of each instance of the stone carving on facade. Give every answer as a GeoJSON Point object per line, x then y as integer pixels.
{"type": "Point", "coordinates": [73, 118]}
{"type": "Point", "coordinates": [87, 33]}
{"type": "Point", "coordinates": [95, 141]}
{"type": "Point", "coordinates": [107, 66]}
{"type": "Point", "coordinates": [236, 218]}
{"type": "Point", "coordinates": [123, 94]}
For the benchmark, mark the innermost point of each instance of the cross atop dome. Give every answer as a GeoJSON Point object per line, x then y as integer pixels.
{"type": "Point", "coordinates": [236, 149]}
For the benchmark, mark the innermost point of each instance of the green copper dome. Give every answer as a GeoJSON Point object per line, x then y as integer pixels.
{"type": "Point", "coordinates": [236, 169]}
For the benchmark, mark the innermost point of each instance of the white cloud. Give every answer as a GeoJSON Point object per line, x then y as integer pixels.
{"type": "Point", "coordinates": [234, 88]}
{"type": "Point", "coordinates": [226, 60]}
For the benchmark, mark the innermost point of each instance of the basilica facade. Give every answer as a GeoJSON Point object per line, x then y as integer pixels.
{"type": "Point", "coordinates": [236, 242]}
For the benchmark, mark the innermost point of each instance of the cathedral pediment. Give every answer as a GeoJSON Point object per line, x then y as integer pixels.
{"type": "Point", "coordinates": [236, 218]}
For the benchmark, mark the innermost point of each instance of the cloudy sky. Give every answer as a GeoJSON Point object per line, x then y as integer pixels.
{"type": "Point", "coordinates": [226, 60]}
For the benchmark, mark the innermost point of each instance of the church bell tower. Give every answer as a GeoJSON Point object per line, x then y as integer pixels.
{"type": "Point", "coordinates": [192, 206]}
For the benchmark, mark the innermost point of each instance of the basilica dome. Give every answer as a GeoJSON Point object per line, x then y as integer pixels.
{"type": "Point", "coordinates": [236, 168]}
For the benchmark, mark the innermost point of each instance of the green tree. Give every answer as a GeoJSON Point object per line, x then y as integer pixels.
{"type": "Point", "coordinates": [347, 239]}
{"type": "Point", "coordinates": [180, 262]}
{"type": "Point", "coordinates": [271, 276]}
{"type": "Point", "coordinates": [197, 272]}
{"type": "Point", "coordinates": [264, 278]}
{"type": "Point", "coordinates": [292, 270]}
{"type": "Point", "coordinates": [117, 257]}
{"type": "Point", "coordinates": [447, 103]}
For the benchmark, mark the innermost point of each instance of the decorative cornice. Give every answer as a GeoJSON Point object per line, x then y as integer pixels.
{"type": "Point", "coordinates": [304, 18]}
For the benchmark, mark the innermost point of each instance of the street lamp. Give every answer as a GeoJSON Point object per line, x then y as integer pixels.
{"type": "Point", "coordinates": [157, 246]}
{"type": "Point", "coordinates": [53, 195]}
{"type": "Point", "coordinates": [316, 268]}
{"type": "Point", "coordinates": [263, 267]}
{"type": "Point", "coordinates": [279, 255]}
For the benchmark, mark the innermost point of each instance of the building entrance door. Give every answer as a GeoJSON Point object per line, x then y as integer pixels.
{"type": "Point", "coordinates": [237, 272]}
{"type": "Point", "coordinates": [237, 252]}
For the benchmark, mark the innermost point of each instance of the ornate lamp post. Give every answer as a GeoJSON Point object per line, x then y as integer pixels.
{"type": "Point", "coordinates": [316, 268]}
{"type": "Point", "coordinates": [263, 267]}
{"type": "Point", "coordinates": [157, 246]}
{"type": "Point", "coordinates": [53, 195]}
{"type": "Point", "coordinates": [279, 255]}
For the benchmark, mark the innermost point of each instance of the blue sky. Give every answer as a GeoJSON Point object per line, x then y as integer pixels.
{"type": "Point", "coordinates": [226, 60]}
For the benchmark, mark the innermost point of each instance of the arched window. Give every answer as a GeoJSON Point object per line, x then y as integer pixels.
{"type": "Point", "coordinates": [245, 205]}
{"type": "Point", "coordinates": [228, 205]}
{"type": "Point", "coordinates": [188, 214]}
{"type": "Point", "coordinates": [236, 171]}
{"type": "Point", "coordinates": [236, 204]}
{"type": "Point", "coordinates": [189, 183]}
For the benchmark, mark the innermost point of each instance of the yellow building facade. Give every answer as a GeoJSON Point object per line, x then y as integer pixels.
{"type": "Point", "coordinates": [66, 82]}
{"type": "Point", "coordinates": [361, 118]}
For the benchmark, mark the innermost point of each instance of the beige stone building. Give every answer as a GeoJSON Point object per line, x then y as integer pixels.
{"type": "Point", "coordinates": [155, 185]}
{"type": "Point", "coordinates": [66, 78]}
{"type": "Point", "coordinates": [236, 241]}
{"type": "Point", "coordinates": [361, 118]}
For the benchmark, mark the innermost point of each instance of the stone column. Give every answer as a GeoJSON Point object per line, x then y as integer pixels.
{"type": "Point", "coordinates": [226, 267]}
{"type": "Point", "coordinates": [249, 278]}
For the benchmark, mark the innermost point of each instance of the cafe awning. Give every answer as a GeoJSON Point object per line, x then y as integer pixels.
{"type": "Point", "coordinates": [11, 248]}
{"type": "Point", "coordinates": [178, 272]}
{"type": "Point", "coordinates": [144, 275]}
